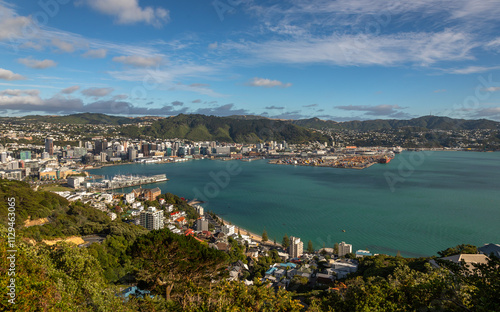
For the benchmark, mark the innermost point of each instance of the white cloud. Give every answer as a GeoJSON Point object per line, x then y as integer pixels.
{"type": "Point", "coordinates": [17, 92]}
{"type": "Point", "coordinates": [70, 90]}
{"type": "Point", "coordinates": [32, 45]}
{"type": "Point", "coordinates": [13, 98]}
{"type": "Point", "coordinates": [98, 53]}
{"type": "Point", "coordinates": [267, 83]}
{"type": "Point", "coordinates": [379, 110]}
{"type": "Point", "coordinates": [139, 61]}
{"type": "Point", "coordinates": [472, 70]}
{"type": "Point", "coordinates": [129, 12]}
{"type": "Point", "coordinates": [492, 89]}
{"type": "Point", "coordinates": [63, 46]}
{"type": "Point", "coordinates": [388, 50]}
{"type": "Point", "coordinates": [97, 92]}
{"type": "Point", "coordinates": [11, 25]}
{"type": "Point", "coordinates": [8, 75]}
{"type": "Point", "coordinates": [213, 46]}
{"type": "Point", "coordinates": [30, 62]}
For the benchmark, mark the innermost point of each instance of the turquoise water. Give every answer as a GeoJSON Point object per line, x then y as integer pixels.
{"type": "Point", "coordinates": [418, 204]}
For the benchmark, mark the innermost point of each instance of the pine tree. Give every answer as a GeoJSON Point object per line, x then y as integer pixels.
{"type": "Point", "coordinates": [310, 248]}
{"type": "Point", "coordinates": [286, 241]}
{"type": "Point", "coordinates": [264, 236]}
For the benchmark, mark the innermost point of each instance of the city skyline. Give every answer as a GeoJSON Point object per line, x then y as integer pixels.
{"type": "Point", "coordinates": [338, 60]}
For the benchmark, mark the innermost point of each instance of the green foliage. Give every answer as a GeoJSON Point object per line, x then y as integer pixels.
{"type": "Point", "coordinates": [28, 202]}
{"type": "Point", "coordinates": [212, 128]}
{"type": "Point", "coordinates": [459, 249]}
{"type": "Point", "coordinates": [264, 236]}
{"type": "Point", "coordinates": [167, 261]}
{"type": "Point", "coordinates": [310, 247]}
{"type": "Point", "coordinates": [77, 219]}
{"type": "Point", "coordinates": [180, 204]}
{"type": "Point", "coordinates": [285, 243]}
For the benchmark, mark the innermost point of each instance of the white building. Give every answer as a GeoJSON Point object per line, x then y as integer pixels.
{"type": "Point", "coordinates": [296, 248]}
{"type": "Point", "coordinates": [344, 249]}
{"type": "Point", "coordinates": [228, 229]}
{"type": "Point", "coordinates": [130, 197]}
{"type": "Point", "coordinates": [152, 219]}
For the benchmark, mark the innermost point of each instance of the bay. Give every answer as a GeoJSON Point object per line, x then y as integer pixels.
{"type": "Point", "coordinates": [418, 204]}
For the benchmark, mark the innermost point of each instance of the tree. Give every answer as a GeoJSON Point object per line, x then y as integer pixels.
{"type": "Point", "coordinates": [336, 248]}
{"type": "Point", "coordinates": [286, 241]}
{"type": "Point", "coordinates": [459, 249]}
{"type": "Point", "coordinates": [264, 236]}
{"type": "Point", "coordinates": [310, 247]}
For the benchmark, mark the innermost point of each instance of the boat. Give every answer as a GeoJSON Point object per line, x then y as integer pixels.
{"type": "Point", "coordinates": [385, 160]}
{"type": "Point", "coordinates": [397, 149]}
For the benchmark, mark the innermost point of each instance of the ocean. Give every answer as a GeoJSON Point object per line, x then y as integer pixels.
{"type": "Point", "coordinates": [418, 204]}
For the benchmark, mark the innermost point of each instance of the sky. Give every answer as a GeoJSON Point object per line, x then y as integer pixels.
{"type": "Point", "coordinates": [332, 59]}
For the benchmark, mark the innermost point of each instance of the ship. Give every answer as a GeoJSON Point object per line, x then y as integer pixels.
{"type": "Point", "coordinates": [397, 149]}
{"type": "Point", "coordinates": [385, 160]}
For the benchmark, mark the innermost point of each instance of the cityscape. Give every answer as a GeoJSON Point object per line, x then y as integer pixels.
{"type": "Point", "coordinates": [238, 155]}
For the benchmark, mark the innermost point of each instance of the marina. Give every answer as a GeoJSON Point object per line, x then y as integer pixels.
{"type": "Point", "coordinates": [123, 181]}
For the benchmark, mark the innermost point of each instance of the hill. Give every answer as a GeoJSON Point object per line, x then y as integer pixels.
{"type": "Point", "coordinates": [225, 129]}
{"type": "Point", "coordinates": [424, 122]}
{"type": "Point", "coordinates": [81, 119]}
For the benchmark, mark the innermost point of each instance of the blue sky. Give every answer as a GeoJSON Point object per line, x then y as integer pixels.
{"type": "Point", "coordinates": [339, 60]}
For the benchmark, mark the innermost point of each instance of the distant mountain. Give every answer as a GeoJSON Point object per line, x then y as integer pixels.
{"type": "Point", "coordinates": [425, 123]}
{"type": "Point", "coordinates": [82, 119]}
{"type": "Point", "coordinates": [225, 129]}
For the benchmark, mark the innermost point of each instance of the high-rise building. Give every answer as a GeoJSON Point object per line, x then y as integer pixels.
{"type": "Point", "coordinates": [25, 155]}
{"type": "Point", "coordinates": [132, 153]}
{"type": "Point", "coordinates": [49, 146]}
{"type": "Point", "coordinates": [344, 249]}
{"type": "Point", "coordinates": [3, 157]}
{"type": "Point", "coordinates": [201, 224]}
{"type": "Point", "coordinates": [296, 248]}
{"type": "Point", "coordinates": [152, 219]}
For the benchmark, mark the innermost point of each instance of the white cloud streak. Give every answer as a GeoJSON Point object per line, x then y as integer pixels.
{"type": "Point", "coordinates": [129, 12]}
{"type": "Point", "coordinates": [9, 75]}
{"type": "Point", "coordinates": [37, 64]}
{"type": "Point", "coordinates": [267, 83]}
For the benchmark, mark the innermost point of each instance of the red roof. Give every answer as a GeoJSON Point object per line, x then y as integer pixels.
{"type": "Point", "coordinates": [181, 219]}
{"type": "Point", "coordinates": [174, 213]}
{"type": "Point", "coordinates": [189, 232]}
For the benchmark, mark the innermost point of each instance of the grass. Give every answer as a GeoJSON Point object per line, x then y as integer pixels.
{"type": "Point", "coordinates": [56, 188]}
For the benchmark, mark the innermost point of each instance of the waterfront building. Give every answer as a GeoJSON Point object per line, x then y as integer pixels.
{"type": "Point", "coordinates": [227, 229]}
{"type": "Point", "coordinates": [296, 248]}
{"type": "Point", "coordinates": [132, 153]}
{"type": "Point", "coordinates": [363, 253]}
{"type": "Point", "coordinates": [152, 219]}
{"type": "Point", "coordinates": [344, 249]}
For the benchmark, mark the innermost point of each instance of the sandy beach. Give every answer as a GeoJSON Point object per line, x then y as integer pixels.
{"type": "Point", "coordinates": [255, 237]}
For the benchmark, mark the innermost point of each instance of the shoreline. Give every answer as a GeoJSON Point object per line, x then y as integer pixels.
{"type": "Point", "coordinates": [252, 235]}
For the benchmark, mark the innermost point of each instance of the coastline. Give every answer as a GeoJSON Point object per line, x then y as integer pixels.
{"type": "Point", "coordinates": [253, 236]}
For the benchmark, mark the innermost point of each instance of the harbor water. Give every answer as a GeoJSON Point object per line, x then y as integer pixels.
{"type": "Point", "coordinates": [418, 204]}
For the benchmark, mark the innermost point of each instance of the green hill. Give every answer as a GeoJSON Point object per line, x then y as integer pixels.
{"type": "Point", "coordinates": [225, 129]}
{"type": "Point", "coordinates": [81, 119]}
{"type": "Point", "coordinates": [424, 122]}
